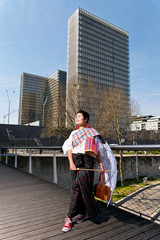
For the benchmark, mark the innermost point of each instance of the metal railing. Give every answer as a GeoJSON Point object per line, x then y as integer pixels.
{"type": "Point", "coordinates": [20, 153]}
{"type": "Point", "coordinates": [141, 174]}
{"type": "Point", "coordinates": [140, 193]}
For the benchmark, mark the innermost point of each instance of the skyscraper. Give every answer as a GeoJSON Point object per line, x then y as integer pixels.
{"type": "Point", "coordinates": [32, 92]}
{"type": "Point", "coordinates": [40, 98]}
{"type": "Point", "coordinates": [57, 96]}
{"type": "Point", "coordinates": [98, 51]}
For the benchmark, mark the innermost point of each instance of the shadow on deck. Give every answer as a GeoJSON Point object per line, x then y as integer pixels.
{"type": "Point", "coordinates": [34, 209]}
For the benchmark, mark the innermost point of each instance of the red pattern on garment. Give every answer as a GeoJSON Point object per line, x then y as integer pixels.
{"type": "Point", "coordinates": [82, 134]}
{"type": "Point", "coordinates": [91, 147]}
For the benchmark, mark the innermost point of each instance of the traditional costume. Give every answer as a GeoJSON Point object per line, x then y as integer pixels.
{"type": "Point", "coordinates": [85, 144]}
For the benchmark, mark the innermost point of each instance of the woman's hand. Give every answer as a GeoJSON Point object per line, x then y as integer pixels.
{"type": "Point", "coordinates": [101, 167]}
{"type": "Point", "coordinates": [73, 167]}
{"type": "Point", "coordinates": [100, 162]}
{"type": "Point", "coordinates": [71, 163]}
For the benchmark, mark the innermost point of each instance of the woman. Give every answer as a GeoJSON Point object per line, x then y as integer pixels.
{"type": "Point", "coordinates": [82, 146]}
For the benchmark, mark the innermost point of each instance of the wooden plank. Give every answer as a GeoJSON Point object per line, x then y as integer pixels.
{"type": "Point", "coordinates": [152, 233]}
{"type": "Point", "coordinates": [89, 229]}
{"type": "Point", "coordinates": [57, 234]}
{"type": "Point", "coordinates": [34, 209]}
{"type": "Point", "coordinates": [136, 230]}
{"type": "Point", "coordinates": [121, 232]}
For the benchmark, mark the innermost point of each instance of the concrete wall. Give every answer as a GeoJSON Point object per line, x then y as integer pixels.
{"type": "Point", "coordinates": [42, 166]}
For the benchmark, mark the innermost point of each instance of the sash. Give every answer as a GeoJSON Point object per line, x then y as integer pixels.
{"type": "Point", "coordinates": [91, 146]}
{"type": "Point", "coordinates": [88, 134]}
{"type": "Point", "coordinates": [82, 134]}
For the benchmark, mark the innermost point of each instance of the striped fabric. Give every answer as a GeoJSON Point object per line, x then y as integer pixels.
{"type": "Point", "coordinates": [82, 198]}
{"type": "Point", "coordinates": [88, 134]}
{"type": "Point", "coordinates": [82, 134]}
{"type": "Point", "coordinates": [91, 146]}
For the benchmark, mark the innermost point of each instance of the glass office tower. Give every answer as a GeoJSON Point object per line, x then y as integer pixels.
{"type": "Point", "coordinates": [57, 97]}
{"type": "Point", "coordinates": [32, 93]}
{"type": "Point", "coordinates": [40, 98]}
{"type": "Point", "coordinates": [99, 51]}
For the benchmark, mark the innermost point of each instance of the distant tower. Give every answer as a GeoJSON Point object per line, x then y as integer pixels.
{"type": "Point", "coordinates": [56, 104]}
{"type": "Point", "coordinates": [40, 99]}
{"type": "Point", "coordinates": [32, 91]}
{"type": "Point", "coordinates": [99, 51]}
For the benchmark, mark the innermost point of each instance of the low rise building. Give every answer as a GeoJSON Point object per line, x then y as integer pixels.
{"type": "Point", "coordinates": [148, 123]}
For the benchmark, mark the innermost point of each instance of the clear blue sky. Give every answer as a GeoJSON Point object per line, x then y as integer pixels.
{"type": "Point", "coordinates": [33, 39]}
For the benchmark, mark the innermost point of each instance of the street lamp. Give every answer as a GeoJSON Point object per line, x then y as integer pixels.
{"type": "Point", "coordinates": [10, 114]}
{"type": "Point", "coordinates": [8, 105]}
{"type": "Point", "coordinates": [43, 104]}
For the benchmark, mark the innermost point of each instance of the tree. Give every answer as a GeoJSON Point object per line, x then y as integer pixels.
{"type": "Point", "coordinates": [132, 137]}
{"type": "Point", "coordinates": [144, 135]}
{"type": "Point", "coordinates": [80, 96]}
{"type": "Point", "coordinates": [155, 136]}
{"type": "Point", "coordinates": [119, 114]}
{"type": "Point", "coordinates": [110, 109]}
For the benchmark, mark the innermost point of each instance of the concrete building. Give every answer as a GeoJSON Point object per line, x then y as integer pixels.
{"type": "Point", "coordinates": [99, 51]}
{"type": "Point", "coordinates": [39, 98]}
{"type": "Point", "coordinates": [148, 123]}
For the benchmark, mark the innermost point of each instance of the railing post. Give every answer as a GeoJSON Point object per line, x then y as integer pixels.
{"type": "Point", "coordinates": [137, 165]}
{"type": "Point", "coordinates": [55, 180]}
{"type": "Point", "coordinates": [15, 163]}
{"type": "Point", "coordinates": [30, 161]}
{"type": "Point", "coordinates": [121, 167]}
{"type": "Point", "coordinates": [6, 156]}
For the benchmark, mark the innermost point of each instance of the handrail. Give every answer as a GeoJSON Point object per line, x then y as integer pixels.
{"type": "Point", "coordinates": [32, 147]}
{"type": "Point", "coordinates": [136, 147]}
{"type": "Point", "coordinates": [113, 147]}
{"type": "Point", "coordinates": [54, 148]}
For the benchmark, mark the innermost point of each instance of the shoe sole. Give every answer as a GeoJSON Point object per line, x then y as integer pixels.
{"type": "Point", "coordinates": [80, 221]}
{"type": "Point", "coordinates": [66, 230]}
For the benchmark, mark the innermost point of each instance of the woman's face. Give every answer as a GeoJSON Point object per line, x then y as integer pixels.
{"type": "Point", "coordinates": [79, 120]}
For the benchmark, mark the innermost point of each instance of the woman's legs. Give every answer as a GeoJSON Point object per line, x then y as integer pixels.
{"type": "Point", "coordinates": [77, 205]}
{"type": "Point", "coordinates": [86, 186]}
{"type": "Point", "coordinates": [82, 199]}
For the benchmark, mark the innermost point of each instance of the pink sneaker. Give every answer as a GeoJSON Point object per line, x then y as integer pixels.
{"type": "Point", "coordinates": [81, 218]}
{"type": "Point", "coordinates": [67, 224]}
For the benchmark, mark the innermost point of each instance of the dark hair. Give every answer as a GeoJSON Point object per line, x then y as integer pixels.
{"type": "Point", "coordinates": [85, 115]}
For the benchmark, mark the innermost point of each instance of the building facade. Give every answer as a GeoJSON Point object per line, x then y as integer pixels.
{"type": "Point", "coordinates": [148, 123]}
{"type": "Point", "coordinates": [57, 99]}
{"type": "Point", "coordinates": [97, 51]}
{"type": "Point", "coordinates": [32, 91]}
{"type": "Point", "coordinates": [40, 98]}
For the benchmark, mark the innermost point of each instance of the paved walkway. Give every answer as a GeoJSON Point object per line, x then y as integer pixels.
{"type": "Point", "coordinates": [145, 200]}
{"type": "Point", "coordinates": [34, 209]}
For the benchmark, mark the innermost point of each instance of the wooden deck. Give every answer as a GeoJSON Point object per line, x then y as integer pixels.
{"type": "Point", "coordinates": [32, 208]}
